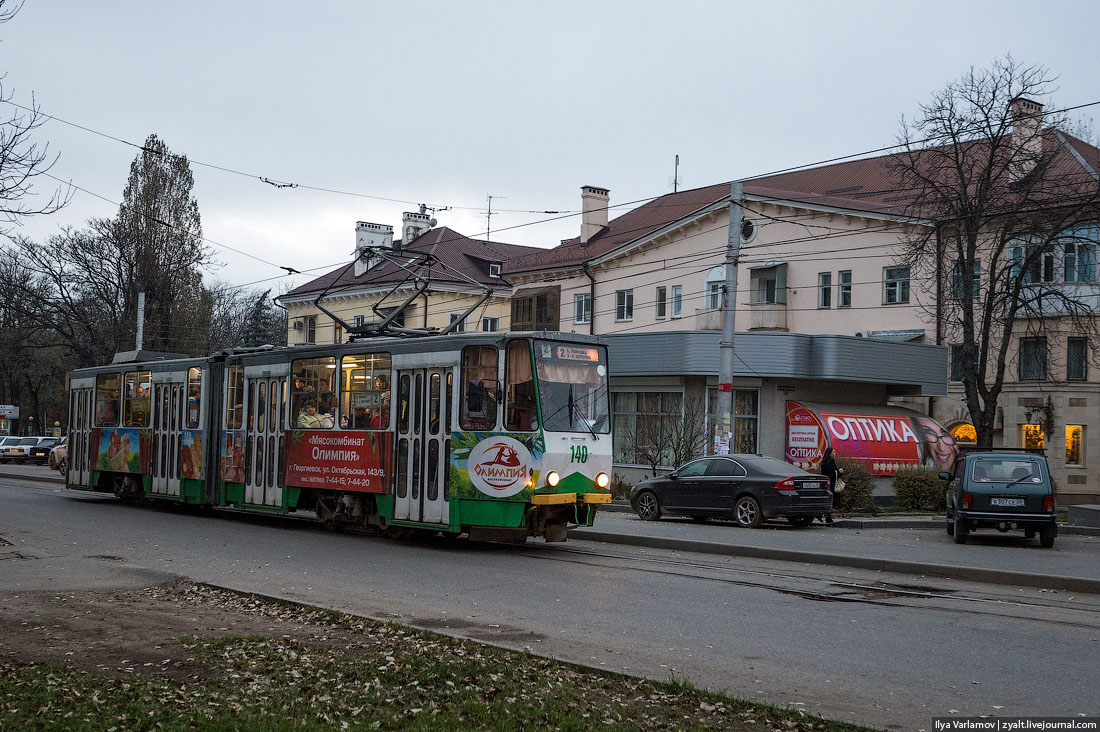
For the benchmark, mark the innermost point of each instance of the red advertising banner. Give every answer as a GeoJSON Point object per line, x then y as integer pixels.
{"type": "Point", "coordinates": [884, 443]}
{"type": "Point", "coordinates": [347, 461]}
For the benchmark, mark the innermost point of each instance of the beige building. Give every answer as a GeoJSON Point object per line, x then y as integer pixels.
{"type": "Point", "coordinates": [820, 254]}
{"type": "Point", "coordinates": [438, 274]}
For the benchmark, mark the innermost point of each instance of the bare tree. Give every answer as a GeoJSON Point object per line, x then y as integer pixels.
{"type": "Point", "coordinates": [1004, 224]}
{"type": "Point", "coordinates": [670, 437]}
{"type": "Point", "coordinates": [22, 160]}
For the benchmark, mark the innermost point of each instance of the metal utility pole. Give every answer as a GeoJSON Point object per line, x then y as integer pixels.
{"type": "Point", "coordinates": [723, 436]}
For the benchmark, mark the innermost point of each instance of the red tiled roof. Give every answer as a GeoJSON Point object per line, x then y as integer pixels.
{"type": "Point", "coordinates": [455, 258]}
{"type": "Point", "coordinates": [868, 185]}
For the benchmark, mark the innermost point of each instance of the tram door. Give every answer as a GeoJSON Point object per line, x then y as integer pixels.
{"type": "Point", "coordinates": [424, 403]}
{"type": "Point", "coordinates": [266, 409]}
{"type": "Point", "coordinates": [167, 423]}
{"type": "Point", "coordinates": [78, 458]}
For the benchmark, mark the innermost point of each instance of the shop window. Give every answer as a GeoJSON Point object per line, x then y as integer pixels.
{"type": "Point", "coordinates": [1033, 437]}
{"type": "Point", "coordinates": [1075, 445]}
{"type": "Point", "coordinates": [365, 391]}
{"type": "Point", "coordinates": [746, 419]}
{"type": "Point", "coordinates": [312, 404]}
{"type": "Point", "coordinates": [646, 425]}
{"type": "Point", "coordinates": [479, 388]}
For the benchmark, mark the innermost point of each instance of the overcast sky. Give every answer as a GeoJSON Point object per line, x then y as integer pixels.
{"type": "Point", "coordinates": [445, 102]}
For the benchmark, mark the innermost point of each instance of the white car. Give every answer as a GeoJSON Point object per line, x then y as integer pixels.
{"type": "Point", "coordinates": [19, 450]}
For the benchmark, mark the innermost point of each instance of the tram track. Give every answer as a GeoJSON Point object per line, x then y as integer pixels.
{"type": "Point", "coordinates": [870, 593]}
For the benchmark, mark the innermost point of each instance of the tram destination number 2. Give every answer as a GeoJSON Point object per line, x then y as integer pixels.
{"type": "Point", "coordinates": [578, 453]}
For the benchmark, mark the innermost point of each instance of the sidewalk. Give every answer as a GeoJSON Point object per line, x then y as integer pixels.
{"type": "Point", "coordinates": [910, 545]}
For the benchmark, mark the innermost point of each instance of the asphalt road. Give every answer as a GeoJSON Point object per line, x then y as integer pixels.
{"type": "Point", "coordinates": [831, 640]}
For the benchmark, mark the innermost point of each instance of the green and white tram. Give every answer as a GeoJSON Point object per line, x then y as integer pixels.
{"type": "Point", "coordinates": [498, 435]}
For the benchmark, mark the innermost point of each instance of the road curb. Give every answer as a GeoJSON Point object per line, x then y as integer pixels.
{"type": "Point", "coordinates": [976, 574]}
{"type": "Point", "coordinates": [34, 478]}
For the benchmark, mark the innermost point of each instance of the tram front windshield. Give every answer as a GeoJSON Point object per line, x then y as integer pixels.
{"type": "Point", "coordinates": [573, 391]}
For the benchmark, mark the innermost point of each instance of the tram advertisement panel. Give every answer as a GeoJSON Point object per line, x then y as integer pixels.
{"type": "Point", "coordinates": [191, 454]}
{"type": "Point", "coordinates": [233, 457]}
{"type": "Point", "coordinates": [123, 450]}
{"type": "Point", "coordinates": [487, 465]}
{"type": "Point", "coordinates": [884, 443]}
{"type": "Point", "coordinates": [350, 461]}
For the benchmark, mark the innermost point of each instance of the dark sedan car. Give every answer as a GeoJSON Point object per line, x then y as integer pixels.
{"type": "Point", "coordinates": [40, 453]}
{"type": "Point", "coordinates": [745, 488]}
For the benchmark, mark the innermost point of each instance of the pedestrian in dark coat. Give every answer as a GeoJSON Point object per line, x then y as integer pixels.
{"type": "Point", "coordinates": [830, 470]}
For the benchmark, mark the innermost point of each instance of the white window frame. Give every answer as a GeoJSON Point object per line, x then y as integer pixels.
{"type": "Point", "coordinates": [712, 289]}
{"type": "Point", "coordinates": [490, 324]}
{"type": "Point", "coordinates": [661, 307]}
{"type": "Point", "coordinates": [624, 306]}
{"type": "Point", "coordinates": [895, 289]}
{"type": "Point", "coordinates": [582, 308]}
{"type": "Point", "coordinates": [677, 301]}
{"type": "Point", "coordinates": [461, 326]}
{"type": "Point", "coordinates": [494, 270]}
{"type": "Point", "coordinates": [825, 290]}
{"type": "Point", "coordinates": [844, 289]}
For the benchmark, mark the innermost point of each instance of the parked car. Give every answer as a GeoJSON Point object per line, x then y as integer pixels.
{"type": "Point", "coordinates": [1005, 490]}
{"type": "Point", "coordinates": [19, 451]}
{"type": "Point", "coordinates": [745, 488]}
{"type": "Point", "coordinates": [40, 453]}
{"type": "Point", "coordinates": [58, 453]}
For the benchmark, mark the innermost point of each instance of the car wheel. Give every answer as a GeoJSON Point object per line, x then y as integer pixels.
{"type": "Point", "coordinates": [961, 529]}
{"type": "Point", "coordinates": [800, 522]}
{"type": "Point", "coordinates": [1046, 536]}
{"type": "Point", "coordinates": [647, 506]}
{"type": "Point", "coordinates": [747, 512]}
{"type": "Point", "coordinates": [61, 466]}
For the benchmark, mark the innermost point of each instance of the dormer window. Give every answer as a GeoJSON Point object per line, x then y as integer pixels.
{"type": "Point", "coordinates": [494, 269]}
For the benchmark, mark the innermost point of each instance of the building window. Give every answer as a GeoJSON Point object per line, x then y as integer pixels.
{"type": "Point", "coordinates": [1079, 255]}
{"type": "Point", "coordinates": [746, 418]}
{"type": "Point", "coordinates": [537, 309]}
{"type": "Point", "coordinates": [895, 285]}
{"type": "Point", "coordinates": [959, 279]}
{"type": "Point", "coordinates": [844, 289]}
{"type": "Point", "coordinates": [716, 277]}
{"type": "Point", "coordinates": [494, 270]}
{"type": "Point", "coordinates": [645, 426]}
{"type": "Point", "coordinates": [964, 434]}
{"type": "Point", "coordinates": [1032, 437]}
{"type": "Point", "coordinates": [825, 290]}
{"type": "Point", "coordinates": [490, 325]}
{"type": "Point", "coordinates": [677, 300]}
{"type": "Point", "coordinates": [624, 305]}
{"type": "Point", "coordinates": [662, 302]}
{"type": "Point", "coordinates": [582, 308]}
{"type": "Point", "coordinates": [1075, 445]}
{"type": "Point", "coordinates": [461, 327]}
{"type": "Point", "coordinates": [1033, 359]}
{"type": "Point", "coordinates": [310, 329]}
{"type": "Point", "coordinates": [358, 321]}
{"type": "Point", "coordinates": [1033, 262]}
{"type": "Point", "coordinates": [337, 333]}
{"type": "Point", "coordinates": [1077, 359]}
{"type": "Point", "coordinates": [958, 363]}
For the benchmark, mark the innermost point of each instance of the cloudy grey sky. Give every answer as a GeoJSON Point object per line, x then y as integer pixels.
{"type": "Point", "coordinates": [445, 102]}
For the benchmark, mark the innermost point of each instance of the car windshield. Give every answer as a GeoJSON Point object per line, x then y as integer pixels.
{"type": "Point", "coordinates": [28, 441]}
{"type": "Point", "coordinates": [572, 380]}
{"type": "Point", "coordinates": [47, 443]}
{"type": "Point", "coordinates": [1000, 470]}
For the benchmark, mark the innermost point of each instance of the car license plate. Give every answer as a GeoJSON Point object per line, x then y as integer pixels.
{"type": "Point", "coordinates": [1007, 502]}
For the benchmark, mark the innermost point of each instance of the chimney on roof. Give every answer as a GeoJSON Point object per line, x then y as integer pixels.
{"type": "Point", "coordinates": [413, 225]}
{"type": "Point", "coordinates": [370, 236]}
{"type": "Point", "coordinates": [1027, 135]}
{"type": "Point", "coordinates": [593, 211]}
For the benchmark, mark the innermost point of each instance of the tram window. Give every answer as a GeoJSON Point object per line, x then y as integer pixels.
{"type": "Point", "coordinates": [447, 473]}
{"type": "Point", "coordinates": [251, 406]}
{"type": "Point", "coordinates": [418, 419]}
{"type": "Point", "coordinates": [276, 397]}
{"type": "Point", "coordinates": [135, 399]}
{"type": "Point", "coordinates": [402, 467]}
{"type": "Point", "coordinates": [403, 387]}
{"type": "Point", "coordinates": [261, 407]}
{"type": "Point", "coordinates": [365, 391]}
{"type": "Point", "coordinates": [450, 398]}
{"type": "Point", "coordinates": [194, 397]}
{"type": "Point", "coordinates": [479, 393]}
{"type": "Point", "coordinates": [433, 404]}
{"type": "Point", "coordinates": [520, 413]}
{"type": "Point", "coordinates": [433, 470]}
{"type": "Point", "coordinates": [234, 401]}
{"type": "Point", "coordinates": [312, 405]}
{"type": "Point", "coordinates": [108, 391]}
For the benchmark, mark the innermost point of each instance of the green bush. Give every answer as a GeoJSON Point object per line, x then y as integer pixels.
{"type": "Point", "coordinates": [858, 487]}
{"type": "Point", "coordinates": [919, 489]}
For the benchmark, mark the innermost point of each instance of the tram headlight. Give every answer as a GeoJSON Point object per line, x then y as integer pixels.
{"type": "Point", "coordinates": [552, 478]}
{"type": "Point", "coordinates": [602, 480]}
